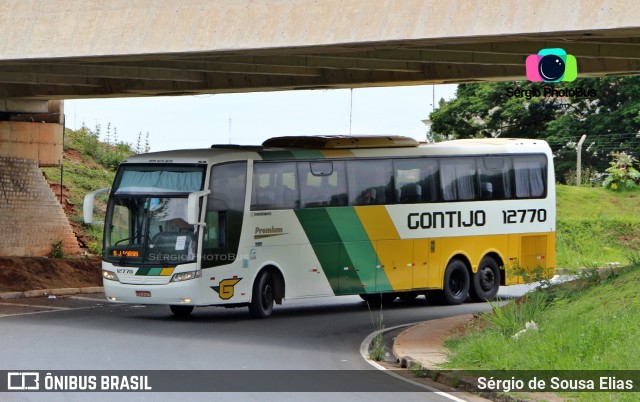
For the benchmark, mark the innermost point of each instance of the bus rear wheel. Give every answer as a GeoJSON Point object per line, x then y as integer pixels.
{"type": "Point", "coordinates": [261, 305]}
{"type": "Point", "coordinates": [486, 281]}
{"type": "Point", "coordinates": [456, 284]}
{"type": "Point", "coordinates": [181, 311]}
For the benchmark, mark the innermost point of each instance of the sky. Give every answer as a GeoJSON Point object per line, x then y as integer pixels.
{"type": "Point", "coordinates": [199, 121]}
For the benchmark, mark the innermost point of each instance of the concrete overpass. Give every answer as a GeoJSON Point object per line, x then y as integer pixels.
{"type": "Point", "coordinates": [64, 49]}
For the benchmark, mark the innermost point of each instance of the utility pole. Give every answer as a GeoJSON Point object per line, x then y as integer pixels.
{"type": "Point", "coordinates": [579, 161]}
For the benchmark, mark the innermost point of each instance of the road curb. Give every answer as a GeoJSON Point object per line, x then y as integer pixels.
{"type": "Point", "coordinates": [431, 351]}
{"type": "Point", "coordinates": [48, 292]}
{"type": "Point", "coordinates": [423, 344]}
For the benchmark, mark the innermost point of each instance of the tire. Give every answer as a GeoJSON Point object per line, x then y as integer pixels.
{"type": "Point", "coordinates": [456, 285]}
{"type": "Point", "coordinates": [262, 298]}
{"type": "Point", "coordinates": [378, 299]}
{"type": "Point", "coordinates": [486, 281]}
{"type": "Point", "coordinates": [181, 311]}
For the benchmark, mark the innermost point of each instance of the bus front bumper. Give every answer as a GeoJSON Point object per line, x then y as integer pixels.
{"type": "Point", "coordinates": [174, 293]}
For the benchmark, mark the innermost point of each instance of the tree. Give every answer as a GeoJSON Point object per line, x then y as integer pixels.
{"type": "Point", "coordinates": [606, 109]}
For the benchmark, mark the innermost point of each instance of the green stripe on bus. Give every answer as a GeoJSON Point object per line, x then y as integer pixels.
{"type": "Point", "coordinates": [317, 225]}
{"type": "Point", "coordinates": [348, 224]}
{"type": "Point", "coordinates": [360, 250]}
{"type": "Point", "coordinates": [149, 271]}
{"type": "Point", "coordinates": [346, 255]}
{"type": "Point", "coordinates": [307, 154]}
{"type": "Point", "coordinates": [275, 155]}
{"type": "Point", "coordinates": [325, 241]}
{"type": "Point", "coordinates": [292, 154]}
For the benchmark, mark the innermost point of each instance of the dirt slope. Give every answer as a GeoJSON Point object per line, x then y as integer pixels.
{"type": "Point", "coordinates": [32, 273]}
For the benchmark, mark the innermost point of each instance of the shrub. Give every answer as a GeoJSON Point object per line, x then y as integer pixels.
{"type": "Point", "coordinates": [622, 174]}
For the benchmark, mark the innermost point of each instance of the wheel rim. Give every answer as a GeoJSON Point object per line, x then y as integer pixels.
{"type": "Point", "coordinates": [456, 283]}
{"type": "Point", "coordinates": [267, 296]}
{"type": "Point", "coordinates": [487, 279]}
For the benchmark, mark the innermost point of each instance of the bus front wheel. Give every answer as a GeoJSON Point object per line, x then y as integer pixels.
{"type": "Point", "coordinates": [456, 284]}
{"type": "Point", "coordinates": [262, 298]}
{"type": "Point", "coordinates": [486, 281]}
{"type": "Point", "coordinates": [181, 311]}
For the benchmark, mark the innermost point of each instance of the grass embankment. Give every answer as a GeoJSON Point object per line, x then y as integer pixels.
{"type": "Point", "coordinates": [592, 323]}
{"type": "Point", "coordinates": [588, 324]}
{"type": "Point", "coordinates": [89, 165]}
{"type": "Point", "coordinates": [596, 227]}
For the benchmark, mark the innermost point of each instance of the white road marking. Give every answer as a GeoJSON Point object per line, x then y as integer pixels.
{"type": "Point", "coordinates": [35, 306]}
{"type": "Point", "coordinates": [364, 351]}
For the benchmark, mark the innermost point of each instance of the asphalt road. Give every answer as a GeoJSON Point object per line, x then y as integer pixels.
{"type": "Point", "coordinates": [86, 333]}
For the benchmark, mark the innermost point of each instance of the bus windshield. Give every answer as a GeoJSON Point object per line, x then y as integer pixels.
{"type": "Point", "coordinates": [149, 230]}
{"type": "Point", "coordinates": [146, 222]}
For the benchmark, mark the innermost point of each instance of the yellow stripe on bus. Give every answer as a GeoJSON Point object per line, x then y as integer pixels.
{"type": "Point", "coordinates": [336, 153]}
{"type": "Point", "coordinates": [166, 271]}
{"type": "Point", "coordinates": [394, 254]}
{"type": "Point", "coordinates": [377, 222]}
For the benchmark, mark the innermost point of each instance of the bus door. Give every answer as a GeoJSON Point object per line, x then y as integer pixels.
{"type": "Point", "coordinates": [420, 268]}
{"type": "Point", "coordinates": [396, 258]}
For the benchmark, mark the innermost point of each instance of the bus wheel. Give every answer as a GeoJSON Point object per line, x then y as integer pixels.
{"type": "Point", "coordinates": [261, 304]}
{"type": "Point", "coordinates": [181, 311]}
{"type": "Point", "coordinates": [486, 281]}
{"type": "Point", "coordinates": [408, 296]}
{"type": "Point", "coordinates": [456, 284]}
{"type": "Point", "coordinates": [378, 299]}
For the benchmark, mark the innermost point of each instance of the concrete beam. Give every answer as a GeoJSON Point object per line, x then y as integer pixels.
{"type": "Point", "coordinates": [122, 27]}
{"type": "Point", "coordinates": [220, 67]}
{"type": "Point", "coordinates": [580, 49]}
{"type": "Point", "coordinates": [102, 71]}
{"type": "Point", "coordinates": [47, 79]}
{"type": "Point", "coordinates": [23, 105]}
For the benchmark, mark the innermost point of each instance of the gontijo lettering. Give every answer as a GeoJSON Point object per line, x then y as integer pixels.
{"type": "Point", "coordinates": [446, 219]}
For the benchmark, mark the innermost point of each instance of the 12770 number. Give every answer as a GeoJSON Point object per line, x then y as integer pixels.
{"type": "Point", "coordinates": [524, 215]}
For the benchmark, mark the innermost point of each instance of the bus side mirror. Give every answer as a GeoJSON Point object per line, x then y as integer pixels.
{"type": "Point", "coordinates": [87, 205]}
{"type": "Point", "coordinates": [193, 207]}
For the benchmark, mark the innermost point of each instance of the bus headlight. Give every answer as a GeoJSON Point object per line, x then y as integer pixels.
{"type": "Point", "coordinates": [110, 275]}
{"type": "Point", "coordinates": [185, 276]}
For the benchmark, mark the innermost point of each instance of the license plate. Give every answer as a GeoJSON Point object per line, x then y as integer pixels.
{"type": "Point", "coordinates": [143, 293]}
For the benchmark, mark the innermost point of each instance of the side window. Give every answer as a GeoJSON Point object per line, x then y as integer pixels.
{"type": "Point", "coordinates": [322, 184]}
{"type": "Point", "coordinates": [495, 181]}
{"type": "Point", "coordinates": [530, 174]}
{"type": "Point", "coordinates": [225, 209]}
{"type": "Point", "coordinates": [416, 180]}
{"type": "Point", "coordinates": [370, 182]}
{"type": "Point", "coordinates": [274, 186]}
{"type": "Point", "coordinates": [458, 179]}
{"type": "Point", "coordinates": [119, 228]}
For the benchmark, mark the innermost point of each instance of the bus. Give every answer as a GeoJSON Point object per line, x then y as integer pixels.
{"type": "Point", "coordinates": [383, 217]}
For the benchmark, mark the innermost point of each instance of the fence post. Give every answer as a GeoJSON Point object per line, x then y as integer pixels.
{"type": "Point", "coordinates": [579, 162]}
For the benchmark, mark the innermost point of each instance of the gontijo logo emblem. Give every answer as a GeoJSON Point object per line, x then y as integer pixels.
{"type": "Point", "coordinates": [551, 65]}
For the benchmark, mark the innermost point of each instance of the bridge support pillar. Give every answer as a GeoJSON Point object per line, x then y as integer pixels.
{"type": "Point", "coordinates": [31, 218]}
